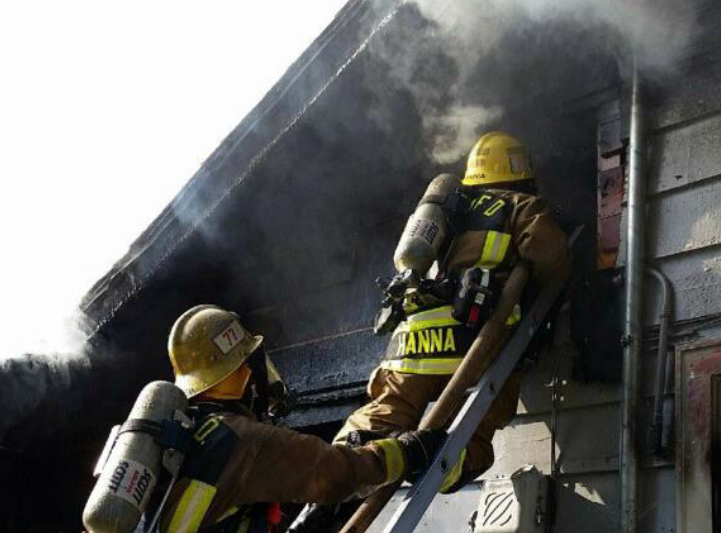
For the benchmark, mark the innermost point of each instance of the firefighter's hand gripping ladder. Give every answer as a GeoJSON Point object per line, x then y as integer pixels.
{"type": "Point", "coordinates": [483, 379]}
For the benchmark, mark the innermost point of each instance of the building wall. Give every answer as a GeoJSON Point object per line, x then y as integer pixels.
{"type": "Point", "coordinates": [684, 233]}
{"type": "Point", "coordinates": [684, 238]}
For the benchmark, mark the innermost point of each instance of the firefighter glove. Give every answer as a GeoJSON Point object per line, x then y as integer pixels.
{"type": "Point", "coordinates": [419, 449]}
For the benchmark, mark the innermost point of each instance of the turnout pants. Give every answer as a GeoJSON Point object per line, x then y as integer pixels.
{"type": "Point", "coordinates": [399, 400]}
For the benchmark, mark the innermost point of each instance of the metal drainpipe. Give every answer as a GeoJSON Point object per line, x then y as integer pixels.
{"type": "Point", "coordinates": [635, 242]}
{"type": "Point", "coordinates": [661, 363]}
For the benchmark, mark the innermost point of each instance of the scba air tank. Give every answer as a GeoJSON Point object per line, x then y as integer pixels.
{"type": "Point", "coordinates": [131, 471]}
{"type": "Point", "coordinates": [427, 227]}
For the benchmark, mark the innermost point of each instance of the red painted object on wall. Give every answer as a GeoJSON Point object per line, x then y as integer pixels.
{"type": "Point", "coordinates": [610, 186]}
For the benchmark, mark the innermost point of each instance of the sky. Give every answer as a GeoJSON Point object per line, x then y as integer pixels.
{"type": "Point", "coordinates": [106, 110]}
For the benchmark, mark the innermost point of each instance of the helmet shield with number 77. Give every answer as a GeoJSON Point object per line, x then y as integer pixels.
{"type": "Point", "coordinates": [206, 345]}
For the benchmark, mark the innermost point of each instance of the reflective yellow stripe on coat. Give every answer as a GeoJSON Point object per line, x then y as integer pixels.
{"type": "Point", "coordinates": [426, 365]}
{"type": "Point", "coordinates": [192, 507]}
{"type": "Point", "coordinates": [433, 318]}
{"type": "Point", "coordinates": [494, 249]}
{"type": "Point", "coordinates": [395, 465]}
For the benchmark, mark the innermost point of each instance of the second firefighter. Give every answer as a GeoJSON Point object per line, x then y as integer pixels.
{"type": "Point", "coordinates": [474, 231]}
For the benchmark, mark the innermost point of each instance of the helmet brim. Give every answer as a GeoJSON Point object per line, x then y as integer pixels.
{"type": "Point", "coordinates": [204, 379]}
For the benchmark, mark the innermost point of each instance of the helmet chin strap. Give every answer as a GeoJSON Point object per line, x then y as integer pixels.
{"type": "Point", "coordinates": [259, 384]}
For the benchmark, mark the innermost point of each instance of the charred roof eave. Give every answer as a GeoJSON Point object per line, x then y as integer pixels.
{"type": "Point", "coordinates": [215, 179]}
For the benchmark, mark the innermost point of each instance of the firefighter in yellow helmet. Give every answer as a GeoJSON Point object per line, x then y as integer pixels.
{"type": "Point", "coordinates": [240, 463]}
{"type": "Point", "coordinates": [501, 222]}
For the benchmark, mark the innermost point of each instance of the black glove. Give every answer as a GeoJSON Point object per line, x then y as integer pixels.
{"type": "Point", "coordinates": [419, 449]}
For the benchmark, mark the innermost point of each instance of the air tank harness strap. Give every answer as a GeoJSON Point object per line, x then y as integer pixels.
{"type": "Point", "coordinates": [454, 204]}
{"type": "Point", "coordinates": [168, 433]}
{"type": "Point", "coordinates": [449, 201]}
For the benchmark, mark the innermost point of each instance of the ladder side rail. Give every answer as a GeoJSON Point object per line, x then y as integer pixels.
{"type": "Point", "coordinates": [421, 495]}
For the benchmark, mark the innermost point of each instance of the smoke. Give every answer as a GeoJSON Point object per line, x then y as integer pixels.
{"type": "Point", "coordinates": [657, 31]}
{"type": "Point", "coordinates": [467, 65]}
{"type": "Point", "coordinates": [438, 57]}
{"type": "Point", "coordinates": [52, 332]}
{"type": "Point", "coordinates": [456, 128]}
{"type": "Point", "coordinates": [28, 381]}
{"type": "Point", "coordinates": [55, 355]}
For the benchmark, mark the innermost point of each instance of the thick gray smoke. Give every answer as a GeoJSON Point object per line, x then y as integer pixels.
{"type": "Point", "coordinates": [28, 381]}
{"type": "Point", "coordinates": [470, 32]}
{"type": "Point", "coordinates": [54, 359]}
{"type": "Point", "coordinates": [454, 61]}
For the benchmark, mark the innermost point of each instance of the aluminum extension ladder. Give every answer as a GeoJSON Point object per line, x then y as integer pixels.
{"type": "Point", "coordinates": [419, 498]}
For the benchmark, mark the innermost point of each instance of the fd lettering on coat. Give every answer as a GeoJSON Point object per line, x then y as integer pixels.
{"type": "Point", "coordinates": [427, 341]}
{"type": "Point", "coordinates": [482, 202]}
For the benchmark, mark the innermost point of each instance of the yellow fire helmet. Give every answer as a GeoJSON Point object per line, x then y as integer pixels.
{"type": "Point", "coordinates": [206, 345]}
{"type": "Point", "coordinates": [495, 158]}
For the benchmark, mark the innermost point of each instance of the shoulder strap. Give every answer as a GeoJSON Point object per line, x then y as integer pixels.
{"type": "Point", "coordinates": [216, 443]}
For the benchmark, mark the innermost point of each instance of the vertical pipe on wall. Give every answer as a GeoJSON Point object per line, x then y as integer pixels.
{"type": "Point", "coordinates": [662, 360]}
{"type": "Point", "coordinates": [635, 270]}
